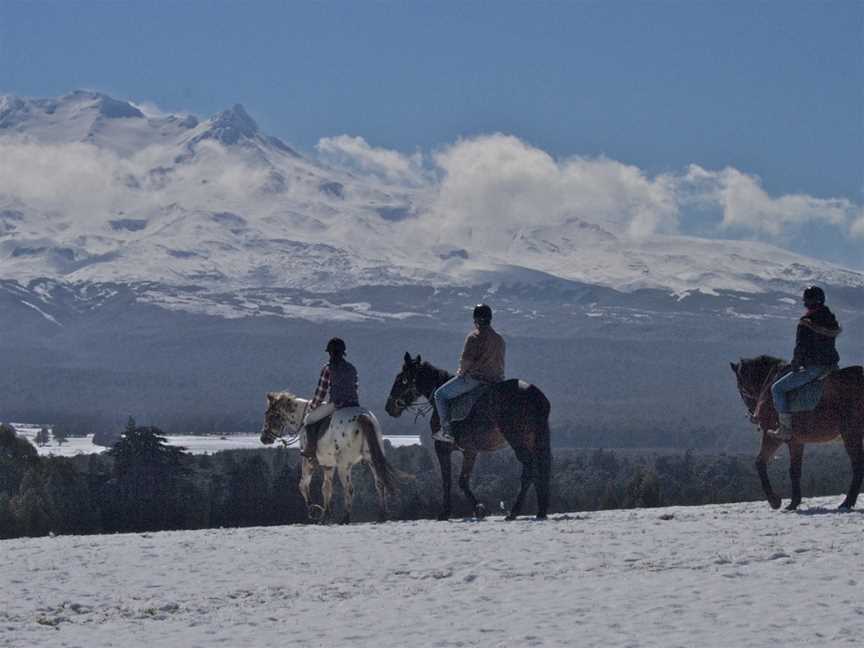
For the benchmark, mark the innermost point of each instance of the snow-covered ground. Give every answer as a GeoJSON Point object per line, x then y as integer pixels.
{"type": "Point", "coordinates": [193, 444]}
{"type": "Point", "coordinates": [733, 575]}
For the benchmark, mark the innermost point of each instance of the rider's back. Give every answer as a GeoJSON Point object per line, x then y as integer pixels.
{"type": "Point", "coordinates": [343, 384]}
{"type": "Point", "coordinates": [816, 339]}
{"type": "Point", "coordinates": [483, 357]}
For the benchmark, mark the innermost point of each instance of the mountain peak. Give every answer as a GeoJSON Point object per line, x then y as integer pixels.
{"type": "Point", "coordinates": [230, 125]}
{"type": "Point", "coordinates": [106, 106]}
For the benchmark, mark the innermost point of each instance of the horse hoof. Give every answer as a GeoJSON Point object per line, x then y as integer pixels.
{"type": "Point", "coordinates": [775, 502]}
{"type": "Point", "coordinates": [792, 506]}
{"type": "Point", "coordinates": [345, 520]}
{"type": "Point", "coordinates": [540, 516]}
{"type": "Point", "coordinates": [480, 512]}
{"type": "Point", "coordinates": [510, 517]}
{"type": "Point", "coordinates": [316, 513]}
{"type": "Point", "coordinates": [443, 517]}
{"type": "Point", "coordinates": [845, 507]}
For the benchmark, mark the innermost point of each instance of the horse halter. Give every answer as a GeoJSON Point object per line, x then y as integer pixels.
{"type": "Point", "coordinates": [293, 435]}
{"type": "Point", "coordinates": [419, 409]}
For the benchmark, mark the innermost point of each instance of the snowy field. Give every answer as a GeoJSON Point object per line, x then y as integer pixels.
{"type": "Point", "coordinates": [730, 576]}
{"type": "Point", "coordinates": [194, 444]}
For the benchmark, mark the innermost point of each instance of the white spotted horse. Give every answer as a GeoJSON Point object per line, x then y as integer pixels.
{"type": "Point", "coordinates": [353, 436]}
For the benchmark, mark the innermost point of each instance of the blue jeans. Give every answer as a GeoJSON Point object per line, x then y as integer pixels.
{"type": "Point", "coordinates": [791, 381]}
{"type": "Point", "coordinates": [454, 387]}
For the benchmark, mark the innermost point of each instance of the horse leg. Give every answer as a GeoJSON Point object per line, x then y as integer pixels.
{"type": "Point", "coordinates": [854, 448]}
{"type": "Point", "coordinates": [526, 458]}
{"type": "Point", "coordinates": [327, 490]}
{"type": "Point", "coordinates": [443, 450]}
{"type": "Point", "coordinates": [469, 457]}
{"type": "Point", "coordinates": [306, 470]}
{"type": "Point", "coordinates": [543, 468]}
{"type": "Point", "coordinates": [769, 447]}
{"type": "Point", "coordinates": [344, 472]}
{"type": "Point", "coordinates": [796, 458]}
{"type": "Point", "coordinates": [381, 490]}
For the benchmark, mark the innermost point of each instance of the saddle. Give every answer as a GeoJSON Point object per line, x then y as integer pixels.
{"type": "Point", "coordinates": [462, 406]}
{"type": "Point", "coordinates": [808, 397]}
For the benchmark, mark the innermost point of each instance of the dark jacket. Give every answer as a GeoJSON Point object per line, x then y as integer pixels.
{"type": "Point", "coordinates": [343, 384]}
{"type": "Point", "coordinates": [815, 341]}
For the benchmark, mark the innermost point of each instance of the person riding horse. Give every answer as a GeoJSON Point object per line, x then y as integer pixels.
{"type": "Point", "coordinates": [337, 388]}
{"type": "Point", "coordinates": [482, 362]}
{"type": "Point", "coordinates": [815, 355]}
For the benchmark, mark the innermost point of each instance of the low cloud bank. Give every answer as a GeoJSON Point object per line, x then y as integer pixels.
{"type": "Point", "coordinates": [493, 184]}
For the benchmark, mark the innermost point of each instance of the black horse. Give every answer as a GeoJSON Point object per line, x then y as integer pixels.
{"type": "Point", "coordinates": [511, 412]}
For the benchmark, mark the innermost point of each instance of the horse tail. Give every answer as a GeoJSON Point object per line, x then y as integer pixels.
{"type": "Point", "coordinates": [386, 473]}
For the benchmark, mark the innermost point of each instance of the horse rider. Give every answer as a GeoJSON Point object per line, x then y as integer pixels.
{"type": "Point", "coordinates": [337, 388]}
{"type": "Point", "coordinates": [482, 362]}
{"type": "Point", "coordinates": [815, 355]}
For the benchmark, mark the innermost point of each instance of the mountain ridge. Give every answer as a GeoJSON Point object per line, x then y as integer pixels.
{"type": "Point", "coordinates": [216, 204]}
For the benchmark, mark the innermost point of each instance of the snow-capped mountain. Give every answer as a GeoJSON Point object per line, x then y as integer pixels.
{"type": "Point", "coordinates": [109, 193]}
{"type": "Point", "coordinates": [149, 259]}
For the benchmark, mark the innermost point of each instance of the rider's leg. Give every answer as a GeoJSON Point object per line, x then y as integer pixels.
{"type": "Point", "coordinates": [791, 381]}
{"type": "Point", "coordinates": [453, 388]}
{"type": "Point", "coordinates": [312, 432]}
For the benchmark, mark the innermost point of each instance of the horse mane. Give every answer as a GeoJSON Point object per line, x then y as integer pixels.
{"type": "Point", "coordinates": [763, 362]}
{"type": "Point", "coordinates": [431, 376]}
{"type": "Point", "coordinates": [283, 394]}
{"type": "Point", "coordinates": [756, 370]}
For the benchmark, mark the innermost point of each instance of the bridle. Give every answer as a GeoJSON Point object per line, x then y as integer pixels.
{"type": "Point", "coordinates": [419, 409]}
{"type": "Point", "coordinates": [293, 435]}
{"type": "Point", "coordinates": [748, 395]}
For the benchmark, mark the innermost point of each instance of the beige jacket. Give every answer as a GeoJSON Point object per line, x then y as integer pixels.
{"type": "Point", "coordinates": [483, 356]}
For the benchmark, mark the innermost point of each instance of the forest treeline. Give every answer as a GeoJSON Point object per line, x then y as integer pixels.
{"type": "Point", "coordinates": [143, 484]}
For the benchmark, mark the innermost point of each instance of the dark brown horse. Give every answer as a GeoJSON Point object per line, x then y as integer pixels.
{"type": "Point", "coordinates": [839, 413]}
{"type": "Point", "coordinates": [512, 412]}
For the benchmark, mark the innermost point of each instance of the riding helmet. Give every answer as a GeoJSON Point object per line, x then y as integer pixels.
{"type": "Point", "coordinates": [483, 314]}
{"type": "Point", "coordinates": [814, 295]}
{"type": "Point", "coordinates": [336, 345]}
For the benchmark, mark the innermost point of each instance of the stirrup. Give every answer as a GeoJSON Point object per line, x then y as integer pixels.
{"type": "Point", "coordinates": [781, 433]}
{"type": "Point", "coordinates": [444, 436]}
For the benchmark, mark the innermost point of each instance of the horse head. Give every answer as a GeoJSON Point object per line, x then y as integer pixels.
{"type": "Point", "coordinates": [753, 376]}
{"type": "Point", "coordinates": [283, 410]}
{"type": "Point", "coordinates": [404, 391]}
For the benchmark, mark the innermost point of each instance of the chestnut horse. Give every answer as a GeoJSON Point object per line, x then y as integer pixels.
{"type": "Point", "coordinates": [512, 412]}
{"type": "Point", "coordinates": [839, 413]}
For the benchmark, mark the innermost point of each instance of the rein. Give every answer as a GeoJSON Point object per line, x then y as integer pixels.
{"type": "Point", "coordinates": [294, 435]}
{"type": "Point", "coordinates": [420, 409]}
{"type": "Point", "coordinates": [769, 379]}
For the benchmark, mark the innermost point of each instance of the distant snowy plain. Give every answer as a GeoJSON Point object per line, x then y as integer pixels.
{"type": "Point", "coordinates": [194, 444]}
{"type": "Point", "coordinates": [730, 575]}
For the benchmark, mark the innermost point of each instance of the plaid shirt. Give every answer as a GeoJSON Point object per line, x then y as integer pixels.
{"type": "Point", "coordinates": [322, 389]}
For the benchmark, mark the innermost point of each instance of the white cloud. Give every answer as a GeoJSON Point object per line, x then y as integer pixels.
{"type": "Point", "coordinates": [497, 183]}
{"type": "Point", "coordinates": [481, 193]}
{"type": "Point", "coordinates": [83, 184]}
{"type": "Point", "coordinates": [355, 152]}
{"type": "Point", "coordinates": [857, 227]}
{"type": "Point", "coordinates": [746, 206]}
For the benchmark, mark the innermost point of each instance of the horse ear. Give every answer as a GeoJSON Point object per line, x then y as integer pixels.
{"type": "Point", "coordinates": [272, 397]}
{"type": "Point", "coordinates": [734, 367]}
{"type": "Point", "coordinates": [407, 358]}
{"type": "Point", "coordinates": [418, 359]}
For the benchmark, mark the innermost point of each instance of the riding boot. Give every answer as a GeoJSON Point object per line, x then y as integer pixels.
{"type": "Point", "coordinates": [444, 434]}
{"type": "Point", "coordinates": [784, 430]}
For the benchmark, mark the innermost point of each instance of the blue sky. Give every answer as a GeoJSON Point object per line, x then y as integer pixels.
{"type": "Point", "coordinates": [773, 89]}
